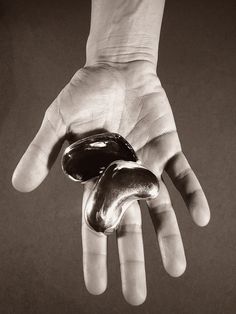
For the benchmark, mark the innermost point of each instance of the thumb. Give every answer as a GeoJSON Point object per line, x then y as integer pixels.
{"type": "Point", "coordinates": [41, 153]}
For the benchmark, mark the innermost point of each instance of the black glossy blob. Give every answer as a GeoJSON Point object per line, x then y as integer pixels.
{"type": "Point", "coordinates": [120, 184]}
{"type": "Point", "coordinates": [89, 157]}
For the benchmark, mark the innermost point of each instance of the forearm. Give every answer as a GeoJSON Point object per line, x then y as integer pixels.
{"type": "Point", "coordinates": [124, 30]}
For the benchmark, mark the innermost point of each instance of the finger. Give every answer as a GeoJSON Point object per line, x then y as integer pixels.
{"type": "Point", "coordinates": [41, 153]}
{"type": "Point", "coordinates": [168, 234]}
{"type": "Point", "coordinates": [131, 255]}
{"type": "Point", "coordinates": [94, 254]}
{"type": "Point", "coordinates": [188, 185]}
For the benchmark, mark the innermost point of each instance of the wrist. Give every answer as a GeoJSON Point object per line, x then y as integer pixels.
{"type": "Point", "coordinates": [124, 31]}
{"type": "Point", "coordinates": [119, 49]}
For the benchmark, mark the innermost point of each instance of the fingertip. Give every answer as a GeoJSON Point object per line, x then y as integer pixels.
{"type": "Point", "coordinates": [95, 272]}
{"type": "Point", "coordinates": [201, 216]}
{"type": "Point", "coordinates": [173, 256]}
{"type": "Point", "coordinates": [97, 288]}
{"type": "Point", "coordinates": [95, 284]}
{"type": "Point", "coordinates": [133, 279]}
{"type": "Point", "coordinates": [135, 297]}
{"type": "Point", "coordinates": [177, 268]}
{"type": "Point", "coordinates": [28, 175]}
{"type": "Point", "coordinates": [20, 183]}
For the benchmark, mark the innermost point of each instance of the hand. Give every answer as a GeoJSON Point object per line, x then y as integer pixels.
{"type": "Point", "coordinates": [127, 99]}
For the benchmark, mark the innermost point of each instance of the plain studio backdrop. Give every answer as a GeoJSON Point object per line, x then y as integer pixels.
{"type": "Point", "coordinates": [42, 44]}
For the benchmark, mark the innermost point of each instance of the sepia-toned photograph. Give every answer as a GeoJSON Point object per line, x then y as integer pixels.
{"type": "Point", "coordinates": [118, 153]}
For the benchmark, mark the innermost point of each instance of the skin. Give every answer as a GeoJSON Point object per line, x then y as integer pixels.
{"type": "Point", "coordinates": [123, 95]}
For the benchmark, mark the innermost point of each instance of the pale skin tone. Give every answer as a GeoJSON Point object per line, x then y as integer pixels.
{"type": "Point", "coordinates": [119, 91]}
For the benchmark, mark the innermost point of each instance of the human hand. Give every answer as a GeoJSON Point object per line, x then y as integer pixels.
{"type": "Point", "coordinates": [127, 99]}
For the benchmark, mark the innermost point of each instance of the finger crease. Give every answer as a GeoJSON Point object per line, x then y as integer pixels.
{"type": "Point", "coordinates": [166, 237]}
{"type": "Point", "coordinates": [129, 228]}
{"type": "Point", "coordinates": [94, 253]}
{"type": "Point", "coordinates": [162, 208]}
{"type": "Point", "coordinates": [132, 262]}
{"type": "Point", "coordinates": [53, 128]}
{"type": "Point", "coordinates": [193, 193]}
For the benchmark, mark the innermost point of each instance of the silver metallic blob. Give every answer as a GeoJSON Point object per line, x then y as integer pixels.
{"type": "Point", "coordinates": [121, 179]}
{"type": "Point", "coordinates": [120, 184]}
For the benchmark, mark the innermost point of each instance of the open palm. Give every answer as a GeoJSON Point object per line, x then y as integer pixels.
{"type": "Point", "coordinates": [127, 99]}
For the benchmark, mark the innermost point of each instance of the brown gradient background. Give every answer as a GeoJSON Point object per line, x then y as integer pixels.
{"type": "Point", "coordinates": [42, 44]}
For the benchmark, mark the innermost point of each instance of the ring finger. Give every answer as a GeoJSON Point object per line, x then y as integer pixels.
{"type": "Point", "coordinates": [168, 234]}
{"type": "Point", "coordinates": [131, 255]}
